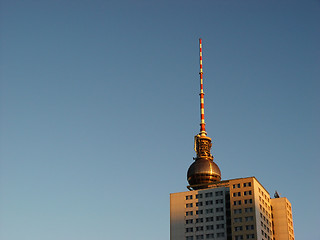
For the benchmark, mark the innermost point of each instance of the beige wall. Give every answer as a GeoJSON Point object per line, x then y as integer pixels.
{"type": "Point", "coordinates": [282, 219]}
{"type": "Point", "coordinates": [177, 214]}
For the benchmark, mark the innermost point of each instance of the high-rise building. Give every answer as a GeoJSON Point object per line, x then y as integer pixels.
{"type": "Point", "coordinates": [234, 209]}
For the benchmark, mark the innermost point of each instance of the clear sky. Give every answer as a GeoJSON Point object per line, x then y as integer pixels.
{"type": "Point", "coordinates": [100, 104]}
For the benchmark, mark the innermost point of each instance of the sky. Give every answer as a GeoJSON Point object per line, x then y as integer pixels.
{"type": "Point", "coordinates": [99, 105]}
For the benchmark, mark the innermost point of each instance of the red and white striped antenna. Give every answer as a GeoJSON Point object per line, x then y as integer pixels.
{"type": "Point", "coordinates": [202, 123]}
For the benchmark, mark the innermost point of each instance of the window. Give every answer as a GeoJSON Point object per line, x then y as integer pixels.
{"type": "Point", "coordinates": [249, 227]}
{"type": "Point", "coordinates": [236, 185]}
{"type": "Point", "coordinates": [189, 221]}
{"type": "Point", "coordinates": [237, 211]}
{"type": "Point", "coordinates": [247, 201]}
{"type": "Point", "coordinates": [219, 193]}
{"type": "Point", "coordinates": [199, 237]}
{"type": "Point", "coordinates": [199, 220]}
{"type": "Point", "coordinates": [210, 210]}
{"type": "Point", "coordinates": [219, 218]}
{"type": "Point", "coordinates": [199, 212]}
{"type": "Point", "coordinates": [250, 236]}
{"type": "Point", "coordinates": [238, 219]}
{"type": "Point", "coordinates": [189, 238]}
{"type": "Point", "coordinates": [209, 194]}
{"type": "Point", "coordinates": [209, 219]}
{"type": "Point", "coordinates": [247, 193]}
{"type": "Point", "coordinates": [219, 201]}
{"type": "Point", "coordinates": [220, 226]}
{"type": "Point", "coordinates": [250, 218]}
{"type": "Point", "coordinates": [248, 184]}
{"type": "Point", "coordinates": [199, 196]}
{"type": "Point", "coordinates": [188, 205]}
{"type": "Point", "coordinates": [189, 213]}
{"type": "Point", "coordinates": [189, 229]}
{"type": "Point", "coordinates": [209, 227]}
{"type": "Point", "coordinates": [248, 209]}
{"type": "Point", "coordinates": [199, 204]}
{"type": "Point", "coordinates": [199, 228]}
{"type": "Point", "coordinates": [220, 234]}
{"type": "Point", "coordinates": [236, 194]}
{"type": "Point", "coordinates": [188, 197]}
{"type": "Point", "coordinates": [210, 235]}
{"type": "Point", "coordinates": [238, 237]}
{"type": "Point", "coordinates": [209, 202]}
{"type": "Point", "coordinates": [239, 228]}
{"type": "Point", "coordinates": [237, 202]}
{"type": "Point", "coordinates": [219, 209]}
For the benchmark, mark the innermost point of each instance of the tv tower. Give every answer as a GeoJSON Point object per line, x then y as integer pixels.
{"type": "Point", "coordinates": [236, 209]}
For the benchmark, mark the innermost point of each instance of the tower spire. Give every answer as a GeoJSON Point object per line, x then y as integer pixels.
{"type": "Point", "coordinates": [203, 171]}
{"type": "Point", "coordinates": [202, 123]}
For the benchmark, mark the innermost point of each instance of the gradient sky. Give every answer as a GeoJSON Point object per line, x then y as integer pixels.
{"type": "Point", "coordinates": [100, 104]}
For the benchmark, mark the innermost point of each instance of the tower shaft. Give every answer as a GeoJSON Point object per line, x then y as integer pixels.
{"type": "Point", "coordinates": [202, 123]}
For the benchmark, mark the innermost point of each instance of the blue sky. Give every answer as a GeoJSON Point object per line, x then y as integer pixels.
{"type": "Point", "coordinates": [99, 107]}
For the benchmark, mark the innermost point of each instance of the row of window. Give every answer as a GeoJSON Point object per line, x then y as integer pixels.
{"type": "Point", "coordinates": [265, 227]}
{"type": "Point", "coordinates": [208, 227]}
{"type": "Point", "coordinates": [240, 237]}
{"type": "Point", "coordinates": [264, 234]}
{"type": "Point", "coordinates": [246, 201]}
{"type": "Point", "coordinates": [207, 236]}
{"type": "Point", "coordinates": [291, 237]}
{"type": "Point", "coordinates": [238, 211]}
{"type": "Point", "coordinates": [265, 214]}
{"type": "Point", "coordinates": [265, 211]}
{"type": "Point", "coordinates": [245, 193]}
{"type": "Point", "coordinates": [210, 202]}
{"type": "Point", "coordinates": [247, 184]}
{"type": "Point", "coordinates": [247, 219]}
{"type": "Point", "coordinates": [265, 219]}
{"type": "Point", "coordinates": [208, 194]}
{"type": "Point", "coordinates": [265, 203]}
{"type": "Point", "coordinates": [210, 210]}
{"type": "Point", "coordinates": [201, 228]}
{"type": "Point", "coordinates": [208, 219]}
{"type": "Point", "coordinates": [289, 214]}
{"type": "Point", "coordinates": [288, 206]}
{"type": "Point", "coordinates": [240, 228]}
{"type": "Point", "coordinates": [290, 222]}
{"type": "Point", "coordinates": [264, 195]}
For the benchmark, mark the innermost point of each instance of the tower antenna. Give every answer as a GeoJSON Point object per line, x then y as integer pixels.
{"type": "Point", "coordinates": [202, 123]}
{"type": "Point", "coordinates": [203, 171]}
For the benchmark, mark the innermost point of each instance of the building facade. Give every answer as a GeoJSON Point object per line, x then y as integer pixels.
{"type": "Point", "coordinates": [282, 219]}
{"type": "Point", "coordinates": [233, 209]}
